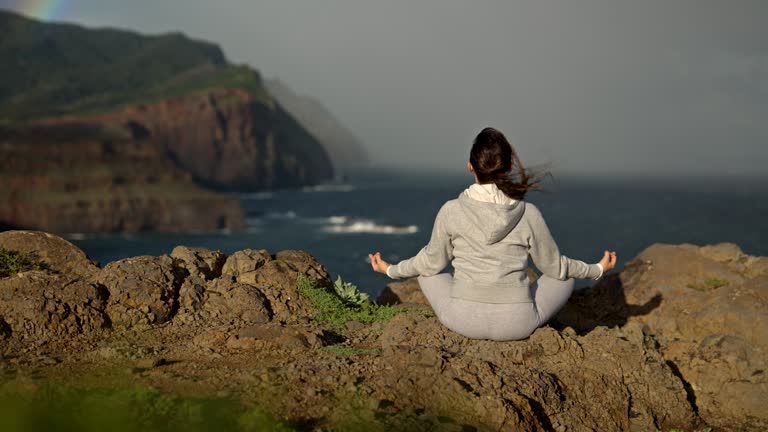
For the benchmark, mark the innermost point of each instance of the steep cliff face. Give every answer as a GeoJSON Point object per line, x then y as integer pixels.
{"type": "Point", "coordinates": [226, 138]}
{"type": "Point", "coordinates": [92, 178]}
{"type": "Point", "coordinates": [345, 149]}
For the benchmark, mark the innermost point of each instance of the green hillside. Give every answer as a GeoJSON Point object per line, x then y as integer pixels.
{"type": "Point", "coordinates": [51, 69]}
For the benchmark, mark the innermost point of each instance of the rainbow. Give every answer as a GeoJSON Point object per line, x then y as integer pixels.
{"type": "Point", "coordinates": [45, 10]}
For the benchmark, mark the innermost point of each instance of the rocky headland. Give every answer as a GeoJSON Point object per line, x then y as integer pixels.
{"type": "Point", "coordinates": [676, 340]}
{"type": "Point", "coordinates": [345, 149]}
{"type": "Point", "coordinates": [110, 130]}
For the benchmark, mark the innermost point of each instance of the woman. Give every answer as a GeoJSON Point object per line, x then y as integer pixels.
{"type": "Point", "coordinates": [488, 233]}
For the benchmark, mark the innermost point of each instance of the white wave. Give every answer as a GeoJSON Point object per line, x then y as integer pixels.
{"type": "Point", "coordinates": [369, 226]}
{"type": "Point", "coordinates": [331, 187]}
{"type": "Point", "coordinates": [337, 220]}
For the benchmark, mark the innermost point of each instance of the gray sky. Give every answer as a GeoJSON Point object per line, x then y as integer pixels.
{"type": "Point", "coordinates": [591, 87]}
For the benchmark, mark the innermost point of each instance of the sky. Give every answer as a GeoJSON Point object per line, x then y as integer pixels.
{"type": "Point", "coordinates": [600, 88]}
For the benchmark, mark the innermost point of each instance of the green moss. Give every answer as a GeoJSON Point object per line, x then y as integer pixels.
{"type": "Point", "coordinates": [331, 308]}
{"type": "Point", "coordinates": [708, 284]}
{"type": "Point", "coordinates": [12, 263]}
{"type": "Point", "coordinates": [347, 351]}
{"type": "Point", "coordinates": [62, 407]}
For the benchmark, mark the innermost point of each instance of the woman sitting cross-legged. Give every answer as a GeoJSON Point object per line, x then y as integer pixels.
{"type": "Point", "coordinates": [487, 234]}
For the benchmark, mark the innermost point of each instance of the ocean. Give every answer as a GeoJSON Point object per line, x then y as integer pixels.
{"type": "Point", "coordinates": [393, 213]}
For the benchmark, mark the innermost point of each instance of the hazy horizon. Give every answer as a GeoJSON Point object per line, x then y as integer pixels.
{"type": "Point", "coordinates": [594, 89]}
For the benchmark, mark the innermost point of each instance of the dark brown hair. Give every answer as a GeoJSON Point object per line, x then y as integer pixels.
{"type": "Point", "coordinates": [495, 161]}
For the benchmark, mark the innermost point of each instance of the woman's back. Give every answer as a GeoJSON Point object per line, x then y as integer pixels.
{"type": "Point", "coordinates": [489, 244]}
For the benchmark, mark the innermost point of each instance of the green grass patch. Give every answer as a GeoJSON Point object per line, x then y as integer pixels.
{"type": "Point", "coordinates": [348, 351]}
{"type": "Point", "coordinates": [12, 263]}
{"type": "Point", "coordinates": [63, 407]}
{"type": "Point", "coordinates": [331, 308]}
{"type": "Point", "coordinates": [708, 284]}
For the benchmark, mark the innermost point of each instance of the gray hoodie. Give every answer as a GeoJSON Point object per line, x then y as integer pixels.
{"type": "Point", "coordinates": [489, 244]}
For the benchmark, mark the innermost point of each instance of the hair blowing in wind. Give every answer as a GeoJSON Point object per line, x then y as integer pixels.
{"type": "Point", "coordinates": [495, 161]}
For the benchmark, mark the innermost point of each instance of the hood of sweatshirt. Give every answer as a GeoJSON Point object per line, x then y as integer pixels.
{"type": "Point", "coordinates": [496, 215]}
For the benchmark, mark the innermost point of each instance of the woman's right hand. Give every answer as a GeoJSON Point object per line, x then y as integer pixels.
{"type": "Point", "coordinates": [609, 261]}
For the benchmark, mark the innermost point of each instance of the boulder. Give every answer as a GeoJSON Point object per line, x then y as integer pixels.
{"type": "Point", "coordinates": [53, 252]}
{"type": "Point", "coordinates": [242, 264]}
{"type": "Point", "coordinates": [276, 278]}
{"type": "Point", "coordinates": [143, 290]}
{"type": "Point", "coordinates": [200, 262]}
{"type": "Point", "coordinates": [40, 306]}
{"type": "Point", "coordinates": [232, 302]}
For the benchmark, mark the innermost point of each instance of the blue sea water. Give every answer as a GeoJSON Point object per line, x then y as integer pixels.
{"type": "Point", "coordinates": [393, 213]}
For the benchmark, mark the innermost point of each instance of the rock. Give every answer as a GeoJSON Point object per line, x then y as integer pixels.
{"type": "Point", "coordinates": [55, 253]}
{"type": "Point", "coordinates": [277, 278]}
{"type": "Point", "coordinates": [210, 339]}
{"type": "Point", "coordinates": [143, 290]}
{"type": "Point", "coordinates": [285, 336]}
{"type": "Point", "coordinates": [200, 262]}
{"type": "Point", "coordinates": [407, 292]}
{"type": "Point", "coordinates": [708, 309]}
{"type": "Point", "coordinates": [151, 362]}
{"type": "Point", "coordinates": [39, 306]}
{"type": "Point", "coordinates": [191, 296]}
{"type": "Point", "coordinates": [607, 380]}
{"type": "Point", "coordinates": [242, 264]}
{"type": "Point", "coordinates": [5, 329]}
{"type": "Point", "coordinates": [233, 302]}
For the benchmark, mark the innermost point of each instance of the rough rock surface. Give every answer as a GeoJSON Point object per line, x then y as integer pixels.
{"type": "Point", "coordinates": [277, 278]}
{"type": "Point", "coordinates": [142, 290]}
{"type": "Point", "coordinates": [623, 355]}
{"type": "Point", "coordinates": [40, 306]}
{"type": "Point", "coordinates": [200, 262]}
{"type": "Point", "coordinates": [708, 309]}
{"type": "Point", "coordinates": [58, 254]}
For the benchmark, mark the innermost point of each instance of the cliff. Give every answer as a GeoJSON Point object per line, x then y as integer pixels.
{"type": "Point", "coordinates": [110, 130]}
{"type": "Point", "coordinates": [675, 341]}
{"type": "Point", "coordinates": [77, 178]}
{"type": "Point", "coordinates": [345, 149]}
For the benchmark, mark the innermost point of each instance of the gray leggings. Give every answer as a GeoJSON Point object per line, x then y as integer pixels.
{"type": "Point", "coordinates": [500, 322]}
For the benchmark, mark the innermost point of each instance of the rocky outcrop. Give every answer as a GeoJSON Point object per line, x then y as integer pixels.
{"type": "Point", "coordinates": [623, 355]}
{"type": "Point", "coordinates": [707, 308]}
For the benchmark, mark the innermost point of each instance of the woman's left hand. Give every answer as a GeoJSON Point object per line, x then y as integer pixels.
{"type": "Point", "coordinates": [378, 264]}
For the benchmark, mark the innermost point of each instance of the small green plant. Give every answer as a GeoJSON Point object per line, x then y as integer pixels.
{"type": "Point", "coordinates": [349, 293]}
{"type": "Point", "coordinates": [331, 308]}
{"type": "Point", "coordinates": [347, 351]}
{"type": "Point", "coordinates": [12, 262]}
{"type": "Point", "coordinates": [708, 284]}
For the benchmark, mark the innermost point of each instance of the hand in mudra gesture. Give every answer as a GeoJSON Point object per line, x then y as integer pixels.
{"type": "Point", "coordinates": [609, 261]}
{"type": "Point", "coordinates": [378, 264]}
